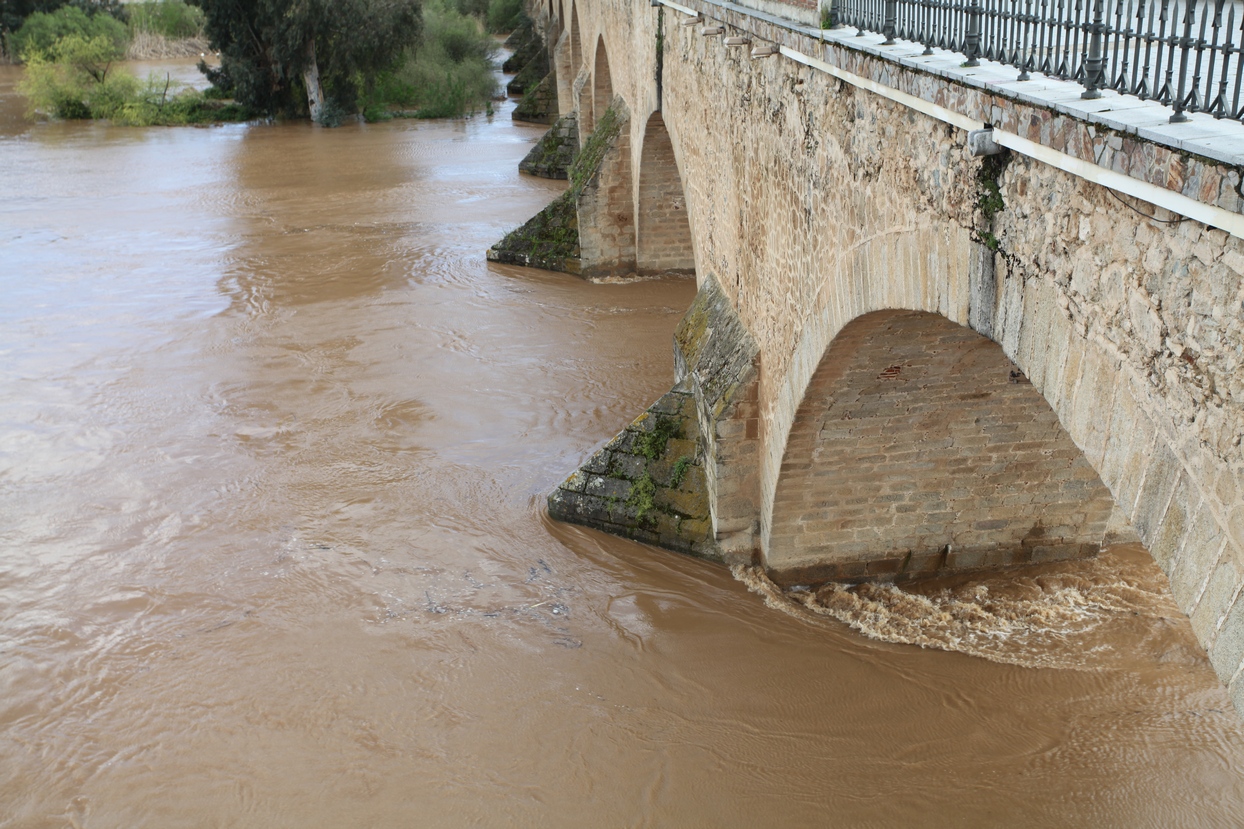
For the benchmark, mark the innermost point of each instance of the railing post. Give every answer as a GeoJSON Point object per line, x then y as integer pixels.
{"type": "Point", "coordinates": [973, 48]}
{"type": "Point", "coordinates": [1094, 67]}
{"type": "Point", "coordinates": [891, 22]}
{"type": "Point", "coordinates": [1185, 45]}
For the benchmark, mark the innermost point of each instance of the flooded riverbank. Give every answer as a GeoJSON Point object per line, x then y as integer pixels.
{"type": "Point", "coordinates": [274, 446]}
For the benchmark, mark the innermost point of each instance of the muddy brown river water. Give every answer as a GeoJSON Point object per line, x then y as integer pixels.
{"type": "Point", "coordinates": [274, 446]}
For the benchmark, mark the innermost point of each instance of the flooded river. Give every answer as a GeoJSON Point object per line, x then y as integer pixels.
{"type": "Point", "coordinates": [274, 446]}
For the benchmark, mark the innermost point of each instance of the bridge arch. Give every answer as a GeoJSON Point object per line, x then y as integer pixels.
{"type": "Point", "coordinates": [602, 82]}
{"type": "Point", "coordinates": [918, 444]}
{"type": "Point", "coordinates": [1098, 399]}
{"type": "Point", "coordinates": [576, 48]}
{"type": "Point", "coordinates": [663, 228]}
{"type": "Point", "coordinates": [562, 60]}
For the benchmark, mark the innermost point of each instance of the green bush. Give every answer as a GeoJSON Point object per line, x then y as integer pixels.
{"type": "Point", "coordinates": [449, 75]}
{"type": "Point", "coordinates": [504, 15]}
{"type": "Point", "coordinates": [472, 8]}
{"type": "Point", "coordinates": [74, 80]}
{"type": "Point", "coordinates": [42, 30]}
{"type": "Point", "coordinates": [171, 18]}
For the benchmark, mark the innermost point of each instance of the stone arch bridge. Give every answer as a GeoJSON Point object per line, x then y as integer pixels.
{"type": "Point", "coordinates": [902, 357]}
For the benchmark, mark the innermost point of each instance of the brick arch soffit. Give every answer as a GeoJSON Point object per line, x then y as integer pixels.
{"type": "Point", "coordinates": [601, 51]}
{"type": "Point", "coordinates": [576, 35]}
{"type": "Point", "coordinates": [681, 165]}
{"type": "Point", "coordinates": [770, 495]}
{"type": "Point", "coordinates": [882, 341]}
{"type": "Point", "coordinates": [639, 151]}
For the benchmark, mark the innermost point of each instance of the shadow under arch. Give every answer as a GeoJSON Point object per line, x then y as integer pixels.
{"type": "Point", "coordinates": [576, 48]}
{"type": "Point", "coordinates": [602, 81]}
{"type": "Point", "coordinates": [559, 15]}
{"type": "Point", "coordinates": [919, 445]}
{"type": "Point", "coordinates": [663, 241]}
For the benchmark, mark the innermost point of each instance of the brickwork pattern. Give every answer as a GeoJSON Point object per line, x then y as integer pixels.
{"type": "Point", "coordinates": [663, 242]}
{"type": "Point", "coordinates": [539, 105]}
{"type": "Point", "coordinates": [602, 86]}
{"type": "Point", "coordinates": [919, 446]}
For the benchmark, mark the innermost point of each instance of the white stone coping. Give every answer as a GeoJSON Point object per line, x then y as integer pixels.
{"type": "Point", "coordinates": [1220, 140]}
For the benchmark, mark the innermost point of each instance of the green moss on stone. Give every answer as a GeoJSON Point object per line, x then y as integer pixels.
{"type": "Point", "coordinates": [641, 498]}
{"type": "Point", "coordinates": [680, 470]}
{"type": "Point", "coordinates": [651, 445]}
{"type": "Point", "coordinates": [551, 234]}
{"type": "Point", "coordinates": [989, 199]}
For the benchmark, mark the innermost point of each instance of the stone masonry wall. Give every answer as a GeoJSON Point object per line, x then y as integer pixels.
{"type": "Point", "coordinates": [556, 239]}
{"type": "Point", "coordinates": [539, 104]}
{"type": "Point", "coordinates": [605, 205]}
{"type": "Point", "coordinates": [816, 202]}
{"type": "Point", "coordinates": [919, 446]}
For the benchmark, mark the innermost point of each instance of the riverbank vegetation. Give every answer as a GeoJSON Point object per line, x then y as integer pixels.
{"type": "Point", "coordinates": [449, 74]}
{"type": "Point", "coordinates": [165, 29]}
{"type": "Point", "coordinates": [77, 78]}
{"type": "Point", "coordinates": [325, 59]}
{"type": "Point", "coordinates": [380, 59]}
{"type": "Point", "coordinates": [154, 29]}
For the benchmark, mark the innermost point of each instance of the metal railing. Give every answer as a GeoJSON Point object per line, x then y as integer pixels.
{"type": "Point", "coordinates": [1181, 53]}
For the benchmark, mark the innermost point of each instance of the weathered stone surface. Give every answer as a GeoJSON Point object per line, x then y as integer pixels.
{"type": "Point", "coordinates": [531, 73]}
{"type": "Point", "coordinates": [647, 484]}
{"type": "Point", "coordinates": [527, 44]}
{"type": "Point", "coordinates": [717, 358]}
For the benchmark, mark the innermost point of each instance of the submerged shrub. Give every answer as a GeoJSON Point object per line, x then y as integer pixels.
{"type": "Point", "coordinates": [73, 80]}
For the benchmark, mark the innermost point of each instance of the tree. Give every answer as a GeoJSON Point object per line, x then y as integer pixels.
{"type": "Point", "coordinates": [276, 54]}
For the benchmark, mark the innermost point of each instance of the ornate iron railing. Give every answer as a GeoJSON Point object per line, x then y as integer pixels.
{"type": "Point", "coordinates": [1181, 53]}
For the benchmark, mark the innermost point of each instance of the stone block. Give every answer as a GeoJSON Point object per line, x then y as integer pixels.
{"type": "Point", "coordinates": [599, 463]}
{"type": "Point", "coordinates": [1203, 546]}
{"type": "Point", "coordinates": [1222, 588]}
{"type": "Point", "coordinates": [626, 466]}
{"type": "Point", "coordinates": [1160, 476]}
{"type": "Point", "coordinates": [602, 487]}
{"type": "Point", "coordinates": [1167, 541]}
{"type": "Point", "coordinates": [1228, 647]}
